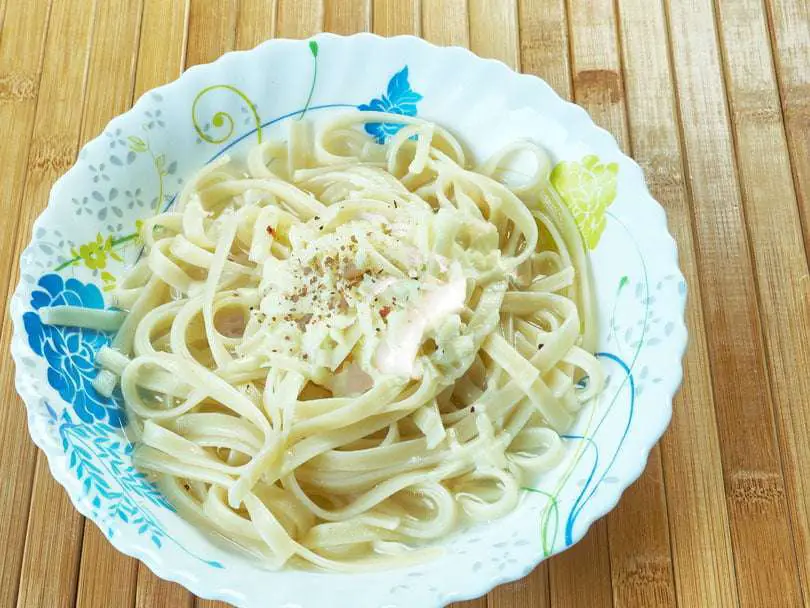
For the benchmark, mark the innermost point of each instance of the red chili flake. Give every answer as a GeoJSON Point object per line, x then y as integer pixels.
{"type": "Point", "coordinates": [385, 311]}
{"type": "Point", "coordinates": [271, 231]}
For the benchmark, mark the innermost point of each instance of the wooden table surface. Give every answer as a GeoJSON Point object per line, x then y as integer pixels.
{"type": "Point", "coordinates": [713, 100]}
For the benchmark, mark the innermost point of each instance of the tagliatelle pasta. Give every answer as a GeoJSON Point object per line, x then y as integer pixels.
{"type": "Point", "coordinates": [342, 350]}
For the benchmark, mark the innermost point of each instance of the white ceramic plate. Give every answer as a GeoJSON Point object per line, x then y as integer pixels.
{"type": "Point", "coordinates": [83, 241]}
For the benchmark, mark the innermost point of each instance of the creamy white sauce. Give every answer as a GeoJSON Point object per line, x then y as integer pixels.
{"type": "Point", "coordinates": [397, 352]}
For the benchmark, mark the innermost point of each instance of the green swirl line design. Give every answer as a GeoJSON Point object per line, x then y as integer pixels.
{"type": "Point", "coordinates": [313, 48]}
{"type": "Point", "coordinates": [223, 119]}
{"type": "Point", "coordinates": [553, 505]}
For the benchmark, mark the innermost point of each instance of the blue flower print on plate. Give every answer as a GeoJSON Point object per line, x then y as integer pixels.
{"type": "Point", "coordinates": [398, 99]}
{"type": "Point", "coordinates": [100, 457]}
{"type": "Point", "coordinates": [71, 351]}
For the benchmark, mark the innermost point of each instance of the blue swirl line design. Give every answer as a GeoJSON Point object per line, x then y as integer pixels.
{"type": "Point", "coordinates": [574, 512]}
{"type": "Point", "coordinates": [581, 499]}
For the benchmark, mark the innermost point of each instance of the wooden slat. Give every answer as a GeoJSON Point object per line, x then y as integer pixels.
{"type": "Point", "coordinates": [47, 575]}
{"type": "Point", "coordinates": [597, 74]}
{"type": "Point", "coordinates": [211, 30]}
{"type": "Point", "coordinates": [3, 7]}
{"type": "Point", "coordinates": [754, 484]}
{"type": "Point", "coordinates": [111, 70]}
{"type": "Point", "coordinates": [701, 545]}
{"type": "Point", "coordinates": [255, 22]}
{"type": "Point", "coordinates": [639, 548]}
{"type": "Point", "coordinates": [580, 576]}
{"type": "Point", "coordinates": [299, 18]}
{"type": "Point", "coordinates": [640, 554]}
{"type": "Point", "coordinates": [494, 30]}
{"type": "Point", "coordinates": [20, 72]}
{"type": "Point", "coordinates": [154, 591]}
{"type": "Point", "coordinates": [201, 603]}
{"type": "Point", "coordinates": [532, 591]}
{"type": "Point", "coordinates": [161, 58]}
{"type": "Point", "coordinates": [544, 49]}
{"type": "Point", "coordinates": [394, 17]}
{"type": "Point", "coordinates": [106, 576]}
{"type": "Point", "coordinates": [346, 16]}
{"type": "Point", "coordinates": [106, 97]}
{"type": "Point", "coordinates": [789, 27]}
{"type": "Point", "coordinates": [50, 565]}
{"type": "Point", "coordinates": [774, 229]}
{"type": "Point", "coordinates": [446, 22]}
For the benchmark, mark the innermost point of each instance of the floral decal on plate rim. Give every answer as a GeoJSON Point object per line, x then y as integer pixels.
{"type": "Point", "coordinates": [398, 99]}
{"type": "Point", "coordinates": [98, 451]}
{"type": "Point", "coordinates": [71, 351]}
{"type": "Point", "coordinates": [101, 458]}
{"type": "Point", "coordinates": [588, 188]}
{"type": "Point", "coordinates": [90, 431]}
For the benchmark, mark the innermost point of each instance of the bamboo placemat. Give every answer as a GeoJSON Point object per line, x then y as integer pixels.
{"type": "Point", "coordinates": [713, 100]}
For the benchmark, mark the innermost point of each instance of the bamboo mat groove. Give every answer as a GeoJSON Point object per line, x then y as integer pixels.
{"type": "Point", "coordinates": [712, 98]}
